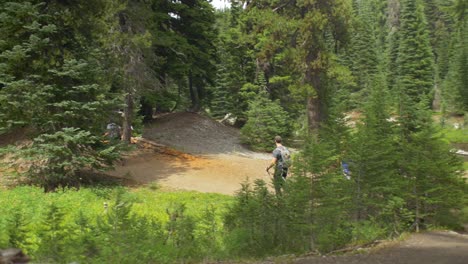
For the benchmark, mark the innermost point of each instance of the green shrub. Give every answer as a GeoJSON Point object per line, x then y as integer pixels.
{"type": "Point", "coordinates": [53, 234]}
{"type": "Point", "coordinates": [455, 135]}
{"type": "Point", "coordinates": [329, 237]}
{"type": "Point", "coordinates": [396, 216]}
{"type": "Point", "coordinates": [113, 225]}
{"type": "Point", "coordinates": [261, 223]}
{"type": "Point", "coordinates": [54, 160]}
{"type": "Point", "coordinates": [265, 120]}
{"type": "Point", "coordinates": [367, 231]}
{"type": "Point", "coordinates": [16, 230]}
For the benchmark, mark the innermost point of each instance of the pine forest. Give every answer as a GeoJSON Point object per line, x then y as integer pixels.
{"type": "Point", "coordinates": [234, 131]}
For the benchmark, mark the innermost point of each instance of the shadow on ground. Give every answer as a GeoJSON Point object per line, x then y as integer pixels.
{"type": "Point", "coordinates": [146, 166]}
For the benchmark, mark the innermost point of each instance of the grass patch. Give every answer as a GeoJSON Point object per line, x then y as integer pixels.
{"type": "Point", "coordinates": [455, 135]}
{"type": "Point", "coordinates": [113, 225]}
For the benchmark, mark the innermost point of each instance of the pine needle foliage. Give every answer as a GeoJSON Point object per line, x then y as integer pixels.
{"type": "Point", "coordinates": [266, 119]}
{"type": "Point", "coordinates": [415, 58]}
{"type": "Point", "coordinates": [428, 168]}
{"type": "Point", "coordinates": [372, 156]}
{"type": "Point", "coordinates": [261, 223]}
{"type": "Point", "coordinates": [53, 82]}
{"type": "Point", "coordinates": [55, 160]}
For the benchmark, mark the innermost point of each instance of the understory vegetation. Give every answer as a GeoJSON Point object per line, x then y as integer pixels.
{"type": "Point", "coordinates": [146, 225]}
{"type": "Point", "coordinates": [113, 225]}
{"type": "Point", "coordinates": [364, 88]}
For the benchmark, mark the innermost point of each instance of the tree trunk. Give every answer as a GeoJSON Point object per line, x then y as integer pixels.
{"type": "Point", "coordinates": [416, 213]}
{"type": "Point", "coordinates": [310, 219]}
{"type": "Point", "coordinates": [358, 197]}
{"type": "Point", "coordinates": [437, 98]}
{"type": "Point", "coordinates": [146, 110]}
{"type": "Point", "coordinates": [193, 94]}
{"type": "Point", "coordinates": [393, 15]}
{"type": "Point", "coordinates": [315, 111]}
{"type": "Point", "coordinates": [127, 118]}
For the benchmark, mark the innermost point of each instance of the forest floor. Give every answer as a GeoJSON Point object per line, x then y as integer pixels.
{"type": "Point", "coordinates": [197, 154]}
{"type": "Point", "coordinates": [436, 247]}
{"type": "Point", "coordinates": [194, 153]}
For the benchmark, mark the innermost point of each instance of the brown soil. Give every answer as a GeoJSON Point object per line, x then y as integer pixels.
{"type": "Point", "coordinates": [221, 173]}
{"type": "Point", "coordinates": [201, 155]}
{"type": "Point", "coordinates": [438, 247]}
{"type": "Point", "coordinates": [194, 133]}
{"type": "Point", "coordinates": [18, 136]}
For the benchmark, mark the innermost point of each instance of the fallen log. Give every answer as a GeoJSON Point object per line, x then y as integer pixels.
{"type": "Point", "coordinates": [13, 256]}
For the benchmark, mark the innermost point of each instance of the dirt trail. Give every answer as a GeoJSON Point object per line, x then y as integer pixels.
{"type": "Point", "coordinates": [200, 154]}
{"type": "Point", "coordinates": [221, 173]}
{"type": "Point", "coordinates": [195, 134]}
{"type": "Point", "coordinates": [438, 247]}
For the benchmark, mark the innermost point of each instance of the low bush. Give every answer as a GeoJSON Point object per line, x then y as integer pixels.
{"type": "Point", "coordinates": [112, 225]}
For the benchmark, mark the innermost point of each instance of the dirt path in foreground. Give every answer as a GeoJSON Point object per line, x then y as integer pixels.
{"type": "Point", "coordinates": [438, 247]}
{"type": "Point", "coordinates": [221, 173]}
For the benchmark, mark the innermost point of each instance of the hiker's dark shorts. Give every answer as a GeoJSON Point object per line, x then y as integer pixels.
{"type": "Point", "coordinates": [281, 172]}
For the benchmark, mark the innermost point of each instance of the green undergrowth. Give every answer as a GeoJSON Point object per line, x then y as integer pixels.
{"type": "Point", "coordinates": [149, 225]}
{"type": "Point", "coordinates": [113, 225]}
{"type": "Point", "coordinates": [455, 135]}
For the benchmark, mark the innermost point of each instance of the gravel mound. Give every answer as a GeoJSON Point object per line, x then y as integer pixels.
{"type": "Point", "coordinates": [195, 134]}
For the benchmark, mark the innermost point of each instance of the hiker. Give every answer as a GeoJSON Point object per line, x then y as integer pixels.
{"type": "Point", "coordinates": [281, 161]}
{"type": "Point", "coordinates": [113, 131]}
{"type": "Point", "coordinates": [345, 169]}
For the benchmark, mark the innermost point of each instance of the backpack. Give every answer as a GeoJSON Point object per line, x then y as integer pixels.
{"type": "Point", "coordinates": [285, 157]}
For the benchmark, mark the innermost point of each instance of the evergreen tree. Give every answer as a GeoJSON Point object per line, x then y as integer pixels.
{"type": "Point", "coordinates": [128, 44]}
{"type": "Point", "coordinates": [393, 40]}
{"type": "Point", "coordinates": [373, 156]}
{"type": "Point", "coordinates": [329, 193]}
{"type": "Point", "coordinates": [416, 133]}
{"type": "Point", "coordinates": [194, 21]}
{"type": "Point", "coordinates": [221, 102]}
{"type": "Point", "coordinates": [415, 64]}
{"type": "Point", "coordinates": [265, 120]}
{"type": "Point", "coordinates": [429, 168]}
{"type": "Point", "coordinates": [364, 49]}
{"type": "Point", "coordinates": [454, 91]}
{"type": "Point", "coordinates": [53, 82]}
{"type": "Point", "coordinates": [306, 34]}
{"type": "Point", "coordinates": [415, 58]}
{"type": "Point", "coordinates": [52, 76]}
{"type": "Point", "coordinates": [439, 31]}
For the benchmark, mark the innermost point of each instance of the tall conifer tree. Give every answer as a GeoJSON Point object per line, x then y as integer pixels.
{"type": "Point", "coordinates": [415, 62]}
{"type": "Point", "coordinates": [309, 33]}
{"type": "Point", "coordinates": [364, 49]}
{"type": "Point", "coordinates": [373, 155]}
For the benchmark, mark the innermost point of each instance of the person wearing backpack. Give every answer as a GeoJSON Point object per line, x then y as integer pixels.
{"type": "Point", "coordinates": [281, 161]}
